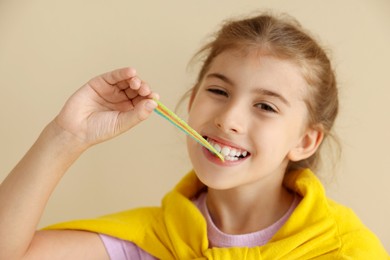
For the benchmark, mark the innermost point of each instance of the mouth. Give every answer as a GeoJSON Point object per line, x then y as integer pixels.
{"type": "Point", "coordinates": [229, 153]}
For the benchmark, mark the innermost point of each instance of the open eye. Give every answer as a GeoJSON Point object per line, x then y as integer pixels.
{"type": "Point", "coordinates": [266, 107]}
{"type": "Point", "coordinates": [218, 91]}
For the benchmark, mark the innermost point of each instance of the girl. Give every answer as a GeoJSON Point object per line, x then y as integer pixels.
{"type": "Point", "coordinates": [266, 97]}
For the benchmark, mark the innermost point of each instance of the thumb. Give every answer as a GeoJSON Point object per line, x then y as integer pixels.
{"type": "Point", "coordinates": [144, 108]}
{"type": "Point", "coordinates": [140, 112]}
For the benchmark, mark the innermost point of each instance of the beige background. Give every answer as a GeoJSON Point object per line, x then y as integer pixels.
{"type": "Point", "coordinates": [50, 48]}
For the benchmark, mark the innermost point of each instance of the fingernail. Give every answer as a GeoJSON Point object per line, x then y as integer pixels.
{"type": "Point", "coordinates": [150, 105]}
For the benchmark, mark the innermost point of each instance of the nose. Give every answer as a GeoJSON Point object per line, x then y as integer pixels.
{"type": "Point", "coordinates": [231, 119]}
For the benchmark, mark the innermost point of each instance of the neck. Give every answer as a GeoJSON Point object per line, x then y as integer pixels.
{"type": "Point", "coordinates": [248, 209]}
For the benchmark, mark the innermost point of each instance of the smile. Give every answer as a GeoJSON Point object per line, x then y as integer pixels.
{"type": "Point", "coordinates": [229, 153]}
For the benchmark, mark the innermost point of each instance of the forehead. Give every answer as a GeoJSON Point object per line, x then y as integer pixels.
{"type": "Point", "coordinates": [259, 69]}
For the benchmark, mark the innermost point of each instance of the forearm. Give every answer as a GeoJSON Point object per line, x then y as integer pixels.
{"type": "Point", "coordinates": [26, 190]}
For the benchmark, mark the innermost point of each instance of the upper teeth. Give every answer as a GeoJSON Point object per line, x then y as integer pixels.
{"type": "Point", "coordinates": [228, 152]}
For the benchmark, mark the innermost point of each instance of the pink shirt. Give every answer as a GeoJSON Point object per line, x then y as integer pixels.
{"type": "Point", "coordinates": [120, 249]}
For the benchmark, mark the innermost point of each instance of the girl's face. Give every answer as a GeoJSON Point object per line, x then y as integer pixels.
{"type": "Point", "coordinates": [252, 107]}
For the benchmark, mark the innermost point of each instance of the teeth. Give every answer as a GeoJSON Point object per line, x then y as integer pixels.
{"type": "Point", "coordinates": [233, 152]}
{"type": "Point", "coordinates": [225, 151]}
{"type": "Point", "coordinates": [217, 147]}
{"type": "Point", "coordinates": [229, 158]}
{"type": "Point", "coordinates": [229, 153]}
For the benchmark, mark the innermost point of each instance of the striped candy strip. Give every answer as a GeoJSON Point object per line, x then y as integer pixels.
{"type": "Point", "coordinates": [164, 112]}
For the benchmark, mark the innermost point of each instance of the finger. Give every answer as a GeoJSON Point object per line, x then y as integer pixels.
{"type": "Point", "coordinates": [116, 76]}
{"type": "Point", "coordinates": [131, 93]}
{"type": "Point", "coordinates": [154, 95]}
{"type": "Point", "coordinates": [137, 100]}
{"type": "Point", "coordinates": [134, 83]}
{"type": "Point", "coordinates": [144, 108]}
{"type": "Point", "coordinates": [123, 85]}
{"type": "Point", "coordinates": [142, 111]}
{"type": "Point", "coordinates": [144, 89]}
{"type": "Point", "coordinates": [137, 87]}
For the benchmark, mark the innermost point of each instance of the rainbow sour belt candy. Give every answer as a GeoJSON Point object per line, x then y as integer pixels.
{"type": "Point", "coordinates": [182, 125]}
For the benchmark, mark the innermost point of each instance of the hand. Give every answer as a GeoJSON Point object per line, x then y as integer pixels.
{"type": "Point", "coordinates": [107, 106]}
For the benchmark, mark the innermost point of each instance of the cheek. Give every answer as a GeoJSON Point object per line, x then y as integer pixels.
{"type": "Point", "coordinates": [274, 138]}
{"type": "Point", "coordinates": [189, 144]}
{"type": "Point", "coordinates": [197, 111]}
{"type": "Point", "coordinates": [193, 150]}
{"type": "Point", "coordinates": [193, 119]}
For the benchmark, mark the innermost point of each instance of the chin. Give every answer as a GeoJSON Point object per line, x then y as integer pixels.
{"type": "Point", "coordinates": [216, 180]}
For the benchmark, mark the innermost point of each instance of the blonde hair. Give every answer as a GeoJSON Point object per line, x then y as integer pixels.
{"type": "Point", "coordinates": [283, 37]}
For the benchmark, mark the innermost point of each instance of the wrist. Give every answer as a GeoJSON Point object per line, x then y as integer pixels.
{"type": "Point", "coordinates": [63, 142]}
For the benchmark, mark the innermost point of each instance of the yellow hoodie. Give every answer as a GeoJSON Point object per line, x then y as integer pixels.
{"type": "Point", "coordinates": [319, 228]}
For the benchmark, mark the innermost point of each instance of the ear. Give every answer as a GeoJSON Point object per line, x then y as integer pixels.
{"type": "Point", "coordinates": [307, 145]}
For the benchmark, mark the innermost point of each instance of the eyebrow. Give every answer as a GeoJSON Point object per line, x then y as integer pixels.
{"type": "Point", "coordinates": [267, 92]}
{"type": "Point", "coordinates": [221, 77]}
{"type": "Point", "coordinates": [261, 91]}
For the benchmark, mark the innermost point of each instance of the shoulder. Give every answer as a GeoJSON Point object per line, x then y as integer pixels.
{"type": "Point", "coordinates": [329, 218]}
{"type": "Point", "coordinates": [356, 239]}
